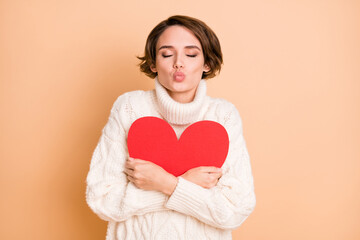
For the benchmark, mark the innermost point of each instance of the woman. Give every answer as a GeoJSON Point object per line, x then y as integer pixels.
{"type": "Point", "coordinates": [139, 199]}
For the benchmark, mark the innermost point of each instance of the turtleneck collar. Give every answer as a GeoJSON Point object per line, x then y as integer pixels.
{"type": "Point", "coordinates": [180, 113]}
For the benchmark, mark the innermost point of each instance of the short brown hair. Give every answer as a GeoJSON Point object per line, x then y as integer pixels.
{"type": "Point", "coordinates": [209, 42]}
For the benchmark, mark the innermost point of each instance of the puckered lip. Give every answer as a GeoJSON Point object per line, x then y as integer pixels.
{"type": "Point", "coordinates": [179, 76]}
{"type": "Point", "coordinates": [178, 73]}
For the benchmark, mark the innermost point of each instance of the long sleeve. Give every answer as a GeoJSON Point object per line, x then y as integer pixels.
{"type": "Point", "coordinates": [109, 194]}
{"type": "Point", "coordinates": [232, 200]}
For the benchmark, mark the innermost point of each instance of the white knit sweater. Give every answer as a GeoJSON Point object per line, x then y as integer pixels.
{"type": "Point", "coordinates": [191, 212]}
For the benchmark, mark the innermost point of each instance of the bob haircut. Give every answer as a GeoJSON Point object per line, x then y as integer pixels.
{"type": "Point", "coordinates": [209, 42]}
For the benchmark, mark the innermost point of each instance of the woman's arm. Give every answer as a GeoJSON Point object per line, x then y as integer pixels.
{"type": "Point", "coordinates": [149, 176]}
{"type": "Point", "coordinates": [232, 200]}
{"type": "Point", "coordinates": [109, 194]}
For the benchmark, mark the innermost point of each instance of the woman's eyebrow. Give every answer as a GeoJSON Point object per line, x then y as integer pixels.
{"type": "Point", "coordinates": [171, 47]}
{"type": "Point", "coordinates": [165, 46]}
{"type": "Point", "coordinates": [193, 46]}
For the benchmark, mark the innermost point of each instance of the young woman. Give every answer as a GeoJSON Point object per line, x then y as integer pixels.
{"type": "Point", "coordinates": [138, 198]}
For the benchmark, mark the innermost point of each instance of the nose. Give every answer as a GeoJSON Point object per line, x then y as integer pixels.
{"type": "Point", "coordinates": [178, 63]}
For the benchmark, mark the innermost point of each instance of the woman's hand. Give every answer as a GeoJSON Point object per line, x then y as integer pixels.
{"type": "Point", "coordinates": [149, 176]}
{"type": "Point", "coordinates": [206, 177]}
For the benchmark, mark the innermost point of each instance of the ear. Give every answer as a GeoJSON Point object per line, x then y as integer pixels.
{"type": "Point", "coordinates": [153, 68]}
{"type": "Point", "coordinates": [206, 68]}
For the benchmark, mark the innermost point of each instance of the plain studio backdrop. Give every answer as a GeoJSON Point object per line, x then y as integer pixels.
{"type": "Point", "coordinates": [292, 68]}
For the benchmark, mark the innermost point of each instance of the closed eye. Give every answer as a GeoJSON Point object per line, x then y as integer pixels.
{"type": "Point", "coordinates": [166, 56]}
{"type": "Point", "coordinates": [193, 55]}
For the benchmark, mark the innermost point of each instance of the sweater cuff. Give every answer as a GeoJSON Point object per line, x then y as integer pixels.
{"type": "Point", "coordinates": [187, 197]}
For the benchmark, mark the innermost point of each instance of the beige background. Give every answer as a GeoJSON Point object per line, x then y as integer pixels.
{"type": "Point", "coordinates": [291, 67]}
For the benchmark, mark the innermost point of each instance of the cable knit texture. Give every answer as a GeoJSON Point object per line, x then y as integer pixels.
{"type": "Point", "coordinates": [191, 212]}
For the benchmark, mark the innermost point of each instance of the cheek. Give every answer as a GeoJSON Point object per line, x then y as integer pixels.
{"type": "Point", "coordinates": [197, 67]}
{"type": "Point", "coordinates": [162, 65]}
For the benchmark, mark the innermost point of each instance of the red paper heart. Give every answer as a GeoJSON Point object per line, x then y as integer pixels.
{"type": "Point", "coordinates": [204, 143]}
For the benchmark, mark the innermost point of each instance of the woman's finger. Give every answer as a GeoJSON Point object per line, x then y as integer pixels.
{"type": "Point", "coordinates": [217, 175]}
{"type": "Point", "coordinates": [130, 178]}
{"type": "Point", "coordinates": [211, 169]}
{"type": "Point", "coordinates": [132, 162]}
{"type": "Point", "coordinates": [129, 171]}
{"type": "Point", "coordinates": [129, 164]}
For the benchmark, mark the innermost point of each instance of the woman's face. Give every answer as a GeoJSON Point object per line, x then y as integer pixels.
{"type": "Point", "coordinates": [179, 63]}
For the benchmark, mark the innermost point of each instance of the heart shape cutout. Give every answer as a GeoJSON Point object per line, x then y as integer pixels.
{"type": "Point", "coordinates": [204, 143]}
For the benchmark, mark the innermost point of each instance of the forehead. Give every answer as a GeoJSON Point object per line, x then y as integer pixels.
{"type": "Point", "coordinates": [178, 36]}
